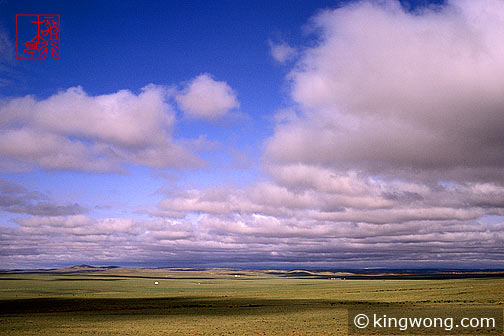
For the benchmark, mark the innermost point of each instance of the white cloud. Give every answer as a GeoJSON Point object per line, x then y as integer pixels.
{"type": "Point", "coordinates": [393, 92]}
{"type": "Point", "coordinates": [74, 131]}
{"type": "Point", "coordinates": [282, 52]}
{"type": "Point", "coordinates": [122, 118]}
{"type": "Point", "coordinates": [206, 98]}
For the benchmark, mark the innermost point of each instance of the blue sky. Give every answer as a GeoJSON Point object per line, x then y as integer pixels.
{"type": "Point", "coordinates": [254, 133]}
{"type": "Point", "coordinates": [123, 45]}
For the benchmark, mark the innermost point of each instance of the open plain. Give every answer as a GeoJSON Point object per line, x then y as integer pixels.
{"type": "Point", "coordinates": [120, 301]}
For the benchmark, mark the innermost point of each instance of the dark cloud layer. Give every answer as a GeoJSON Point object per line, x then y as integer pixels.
{"type": "Point", "coordinates": [16, 199]}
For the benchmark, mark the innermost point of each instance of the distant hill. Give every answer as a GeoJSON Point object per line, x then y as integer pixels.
{"type": "Point", "coordinates": [85, 268]}
{"type": "Point", "coordinates": [364, 274]}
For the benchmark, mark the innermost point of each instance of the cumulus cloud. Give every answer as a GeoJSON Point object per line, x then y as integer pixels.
{"type": "Point", "coordinates": [393, 92]}
{"type": "Point", "coordinates": [71, 130]}
{"type": "Point", "coordinates": [282, 52]}
{"type": "Point", "coordinates": [206, 98]}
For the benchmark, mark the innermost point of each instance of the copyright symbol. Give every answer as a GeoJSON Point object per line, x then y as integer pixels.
{"type": "Point", "coordinates": [361, 321]}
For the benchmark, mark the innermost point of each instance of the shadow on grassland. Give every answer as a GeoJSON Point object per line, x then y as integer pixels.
{"type": "Point", "coordinates": [166, 306]}
{"type": "Point", "coordinates": [84, 279]}
{"type": "Point", "coordinates": [97, 276]}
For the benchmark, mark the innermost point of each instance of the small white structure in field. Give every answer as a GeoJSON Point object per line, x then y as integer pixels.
{"type": "Point", "coordinates": [156, 283]}
{"type": "Point", "coordinates": [237, 276]}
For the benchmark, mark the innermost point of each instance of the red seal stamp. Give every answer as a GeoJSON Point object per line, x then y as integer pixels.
{"type": "Point", "coordinates": [36, 34]}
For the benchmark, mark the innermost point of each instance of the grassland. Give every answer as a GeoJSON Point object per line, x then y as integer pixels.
{"type": "Point", "coordinates": [213, 302]}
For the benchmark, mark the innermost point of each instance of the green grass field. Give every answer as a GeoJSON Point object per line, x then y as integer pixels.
{"type": "Point", "coordinates": [214, 302]}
